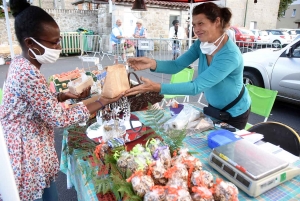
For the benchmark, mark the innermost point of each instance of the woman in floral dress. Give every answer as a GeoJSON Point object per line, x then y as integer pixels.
{"type": "Point", "coordinates": [30, 111]}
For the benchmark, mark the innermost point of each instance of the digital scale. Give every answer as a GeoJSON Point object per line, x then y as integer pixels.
{"type": "Point", "coordinates": [251, 168]}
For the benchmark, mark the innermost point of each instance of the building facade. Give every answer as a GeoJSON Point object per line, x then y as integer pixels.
{"type": "Point", "coordinates": [100, 18]}
{"type": "Point", "coordinates": [291, 17]}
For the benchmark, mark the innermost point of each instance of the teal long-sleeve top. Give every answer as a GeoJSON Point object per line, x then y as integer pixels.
{"type": "Point", "coordinates": [221, 81]}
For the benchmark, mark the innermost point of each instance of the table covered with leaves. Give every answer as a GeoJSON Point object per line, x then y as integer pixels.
{"type": "Point", "coordinates": [95, 181]}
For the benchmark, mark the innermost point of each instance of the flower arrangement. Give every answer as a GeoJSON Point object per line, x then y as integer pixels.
{"type": "Point", "coordinates": [128, 44]}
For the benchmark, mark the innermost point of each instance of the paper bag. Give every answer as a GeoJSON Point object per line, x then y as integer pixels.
{"type": "Point", "coordinates": [116, 81]}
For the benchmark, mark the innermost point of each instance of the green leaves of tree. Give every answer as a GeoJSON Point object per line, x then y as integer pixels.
{"type": "Point", "coordinates": [283, 6]}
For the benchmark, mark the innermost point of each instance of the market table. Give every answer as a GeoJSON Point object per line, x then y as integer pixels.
{"type": "Point", "coordinates": [77, 169]}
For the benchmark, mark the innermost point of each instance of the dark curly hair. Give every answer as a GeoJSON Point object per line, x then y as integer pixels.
{"type": "Point", "coordinates": [212, 11]}
{"type": "Point", "coordinates": [29, 19]}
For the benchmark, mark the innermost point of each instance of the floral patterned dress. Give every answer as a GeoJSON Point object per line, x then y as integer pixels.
{"type": "Point", "coordinates": [28, 115]}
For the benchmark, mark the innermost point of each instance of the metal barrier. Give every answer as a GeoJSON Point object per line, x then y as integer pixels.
{"type": "Point", "coordinates": [157, 48]}
{"type": "Point", "coordinates": [71, 43]}
{"type": "Point", "coordinates": [253, 46]}
{"type": "Point", "coordinates": [91, 43]}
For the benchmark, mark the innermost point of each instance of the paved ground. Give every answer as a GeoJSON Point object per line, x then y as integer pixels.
{"type": "Point", "coordinates": [281, 112]}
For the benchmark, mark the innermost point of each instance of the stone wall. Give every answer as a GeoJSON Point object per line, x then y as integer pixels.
{"type": "Point", "coordinates": [3, 31]}
{"type": "Point", "coordinates": [263, 12]}
{"type": "Point", "coordinates": [71, 20]}
{"type": "Point", "coordinates": [54, 4]}
{"type": "Point", "coordinates": [156, 20]}
{"type": "Point", "coordinates": [68, 20]}
{"type": "Point", "coordinates": [157, 26]}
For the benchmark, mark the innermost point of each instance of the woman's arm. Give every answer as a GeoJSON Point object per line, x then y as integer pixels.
{"type": "Point", "coordinates": [172, 67]}
{"type": "Point", "coordinates": [220, 68]}
{"type": "Point", "coordinates": [36, 92]}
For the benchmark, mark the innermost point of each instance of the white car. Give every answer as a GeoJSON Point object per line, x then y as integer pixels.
{"type": "Point", "coordinates": [293, 33]}
{"type": "Point", "coordinates": [261, 37]}
{"type": "Point", "coordinates": [275, 69]}
{"type": "Point", "coordinates": [278, 38]}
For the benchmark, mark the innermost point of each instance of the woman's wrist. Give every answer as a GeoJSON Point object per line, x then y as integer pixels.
{"type": "Point", "coordinates": [157, 87]}
{"type": "Point", "coordinates": [153, 64]}
{"type": "Point", "coordinates": [59, 97]}
{"type": "Point", "coordinates": [102, 105]}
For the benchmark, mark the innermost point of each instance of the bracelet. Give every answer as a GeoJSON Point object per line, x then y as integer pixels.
{"type": "Point", "coordinates": [98, 101]}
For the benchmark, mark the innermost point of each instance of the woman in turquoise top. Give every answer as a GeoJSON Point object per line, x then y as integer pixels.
{"type": "Point", "coordinates": [220, 67]}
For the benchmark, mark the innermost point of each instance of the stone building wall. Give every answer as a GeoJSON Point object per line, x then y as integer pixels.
{"type": "Point", "coordinates": [263, 12]}
{"type": "Point", "coordinates": [156, 19]}
{"type": "Point", "coordinates": [54, 4]}
{"type": "Point", "coordinates": [71, 20]}
{"type": "Point", "coordinates": [3, 31]}
{"type": "Point", "coordinates": [68, 20]}
{"type": "Point", "coordinates": [157, 26]}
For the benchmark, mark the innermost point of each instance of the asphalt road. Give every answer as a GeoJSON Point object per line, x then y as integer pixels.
{"type": "Point", "coordinates": [281, 112]}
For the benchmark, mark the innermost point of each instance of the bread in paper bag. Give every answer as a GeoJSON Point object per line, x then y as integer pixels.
{"type": "Point", "coordinates": [80, 84]}
{"type": "Point", "coordinates": [116, 81]}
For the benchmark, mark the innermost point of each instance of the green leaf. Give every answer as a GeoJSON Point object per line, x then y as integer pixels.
{"type": "Point", "coordinates": [283, 6]}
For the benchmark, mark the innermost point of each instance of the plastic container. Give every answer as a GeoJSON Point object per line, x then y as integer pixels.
{"type": "Point", "coordinates": [176, 111]}
{"type": "Point", "coordinates": [221, 137]}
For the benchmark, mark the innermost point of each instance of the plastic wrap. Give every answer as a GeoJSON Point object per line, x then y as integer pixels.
{"type": "Point", "coordinates": [142, 184]}
{"type": "Point", "coordinates": [80, 84]}
{"type": "Point", "coordinates": [204, 124]}
{"type": "Point", "coordinates": [157, 193]}
{"type": "Point", "coordinates": [187, 115]}
{"type": "Point", "coordinates": [202, 194]}
{"type": "Point", "coordinates": [202, 178]}
{"type": "Point", "coordinates": [225, 191]}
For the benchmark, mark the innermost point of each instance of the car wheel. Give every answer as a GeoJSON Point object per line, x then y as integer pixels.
{"type": "Point", "coordinates": [276, 44]}
{"type": "Point", "coordinates": [252, 78]}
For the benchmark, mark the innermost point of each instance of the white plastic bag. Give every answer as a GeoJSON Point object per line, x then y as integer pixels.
{"type": "Point", "coordinates": [187, 115]}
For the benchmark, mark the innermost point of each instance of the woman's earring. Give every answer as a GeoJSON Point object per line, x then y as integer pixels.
{"type": "Point", "coordinates": [33, 48]}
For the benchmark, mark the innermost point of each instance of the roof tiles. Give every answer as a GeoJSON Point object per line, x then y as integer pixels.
{"type": "Point", "coordinates": [159, 3]}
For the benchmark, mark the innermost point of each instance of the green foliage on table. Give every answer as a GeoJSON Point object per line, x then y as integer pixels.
{"type": "Point", "coordinates": [155, 119]}
{"type": "Point", "coordinates": [115, 182]}
{"type": "Point", "coordinates": [77, 139]}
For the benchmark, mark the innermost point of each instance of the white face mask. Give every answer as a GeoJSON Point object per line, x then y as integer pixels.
{"type": "Point", "coordinates": [49, 56]}
{"type": "Point", "coordinates": [209, 48]}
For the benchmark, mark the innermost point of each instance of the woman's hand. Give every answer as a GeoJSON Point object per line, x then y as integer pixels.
{"type": "Point", "coordinates": [147, 86]}
{"type": "Point", "coordinates": [67, 95]}
{"type": "Point", "coordinates": [106, 101]}
{"type": "Point", "coordinates": [95, 106]}
{"type": "Point", "coordinates": [141, 63]}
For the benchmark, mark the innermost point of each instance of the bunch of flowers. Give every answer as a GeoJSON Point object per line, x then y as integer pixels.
{"type": "Point", "coordinates": [128, 44]}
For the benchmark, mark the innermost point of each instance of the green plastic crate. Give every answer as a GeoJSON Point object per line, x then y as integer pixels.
{"type": "Point", "coordinates": [58, 84]}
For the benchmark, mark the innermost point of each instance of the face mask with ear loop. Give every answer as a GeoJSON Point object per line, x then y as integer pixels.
{"type": "Point", "coordinates": [209, 48]}
{"type": "Point", "coordinates": [49, 56]}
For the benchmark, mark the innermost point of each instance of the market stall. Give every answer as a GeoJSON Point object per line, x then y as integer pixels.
{"type": "Point", "coordinates": [79, 165]}
{"type": "Point", "coordinates": [131, 150]}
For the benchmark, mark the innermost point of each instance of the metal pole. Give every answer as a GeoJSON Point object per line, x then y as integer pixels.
{"type": "Point", "coordinates": [246, 13]}
{"type": "Point", "coordinates": [190, 25]}
{"type": "Point", "coordinates": [12, 53]}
